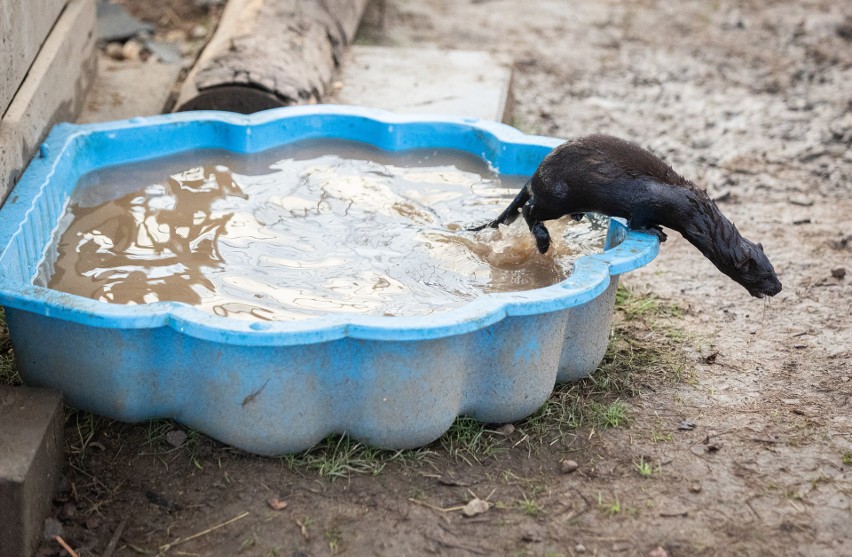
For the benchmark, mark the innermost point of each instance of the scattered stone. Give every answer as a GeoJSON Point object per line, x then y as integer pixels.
{"type": "Point", "coordinates": [93, 522]}
{"type": "Point", "coordinates": [695, 488]}
{"type": "Point", "coordinates": [131, 51]}
{"type": "Point", "coordinates": [167, 53]}
{"type": "Point", "coordinates": [176, 437]}
{"type": "Point", "coordinates": [68, 510]}
{"type": "Point", "coordinates": [567, 466]}
{"type": "Point", "coordinates": [52, 527]}
{"type": "Point", "coordinates": [198, 32]}
{"type": "Point", "coordinates": [839, 272]}
{"type": "Point", "coordinates": [840, 244]}
{"type": "Point", "coordinates": [686, 425]}
{"type": "Point", "coordinates": [114, 51]}
{"type": "Point", "coordinates": [175, 36]}
{"type": "Point", "coordinates": [801, 200]}
{"type": "Point", "coordinates": [531, 535]}
{"type": "Point", "coordinates": [580, 548]}
{"type": "Point", "coordinates": [658, 551]}
{"type": "Point", "coordinates": [476, 506]}
{"type": "Point", "coordinates": [116, 24]}
{"type": "Point", "coordinates": [276, 504]}
{"type": "Point", "coordinates": [506, 429]}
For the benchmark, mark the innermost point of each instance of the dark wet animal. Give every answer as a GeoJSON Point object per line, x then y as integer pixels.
{"type": "Point", "coordinates": [608, 175]}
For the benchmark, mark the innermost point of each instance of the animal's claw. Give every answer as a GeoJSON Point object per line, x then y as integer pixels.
{"type": "Point", "coordinates": [490, 224]}
{"type": "Point", "coordinates": [656, 231]}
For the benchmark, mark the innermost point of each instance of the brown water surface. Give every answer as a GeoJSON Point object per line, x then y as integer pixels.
{"type": "Point", "coordinates": [306, 229]}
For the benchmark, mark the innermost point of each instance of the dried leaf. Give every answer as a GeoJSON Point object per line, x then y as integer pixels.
{"type": "Point", "coordinates": [276, 504]}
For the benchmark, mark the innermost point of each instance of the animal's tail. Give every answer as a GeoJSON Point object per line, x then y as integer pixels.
{"type": "Point", "coordinates": [512, 211]}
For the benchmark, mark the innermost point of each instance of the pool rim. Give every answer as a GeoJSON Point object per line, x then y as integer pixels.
{"type": "Point", "coordinates": [591, 274]}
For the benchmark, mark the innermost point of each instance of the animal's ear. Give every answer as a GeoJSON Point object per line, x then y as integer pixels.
{"type": "Point", "coordinates": [760, 247]}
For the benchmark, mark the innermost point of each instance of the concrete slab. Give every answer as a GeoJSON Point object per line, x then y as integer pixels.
{"type": "Point", "coordinates": [53, 90]}
{"type": "Point", "coordinates": [426, 80]}
{"type": "Point", "coordinates": [31, 455]}
{"type": "Point", "coordinates": [124, 89]}
{"type": "Point", "coordinates": [24, 25]}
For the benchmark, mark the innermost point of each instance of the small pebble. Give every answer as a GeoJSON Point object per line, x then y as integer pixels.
{"type": "Point", "coordinates": [131, 51]}
{"type": "Point", "coordinates": [176, 437]}
{"type": "Point", "coordinates": [695, 488]}
{"type": "Point", "coordinates": [506, 429]}
{"type": "Point", "coordinates": [568, 466]}
{"type": "Point", "coordinates": [580, 548]}
{"type": "Point", "coordinates": [52, 527]}
{"type": "Point", "coordinates": [114, 51]}
{"type": "Point", "coordinates": [839, 272]}
{"type": "Point", "coordinates": [198, 32]}
{"type": "Point", "coordinates": [658, 551]}
{"type": "Point", "coordinates": [801, 200]}
{"type": "Point", "coordinates": [68, 510]}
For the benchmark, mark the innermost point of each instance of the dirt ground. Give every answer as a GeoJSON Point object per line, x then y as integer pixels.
{"type": "Point", "coordinates": [727, 422]}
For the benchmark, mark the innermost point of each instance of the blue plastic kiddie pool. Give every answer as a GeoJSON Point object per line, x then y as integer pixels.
{"type": "Point", "coordinates": [279, 387]}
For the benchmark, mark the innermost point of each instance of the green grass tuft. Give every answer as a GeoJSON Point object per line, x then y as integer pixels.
{"type": "Point", "coordinates": [339, 456]}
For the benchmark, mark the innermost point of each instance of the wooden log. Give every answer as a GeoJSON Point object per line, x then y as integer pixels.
{"type": "Point", "coordinates": [270, 53]}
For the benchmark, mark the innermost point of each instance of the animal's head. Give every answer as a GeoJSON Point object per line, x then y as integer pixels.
{"type": "Point", "coordinates": [754, 271]}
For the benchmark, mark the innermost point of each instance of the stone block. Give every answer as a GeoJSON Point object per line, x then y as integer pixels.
{"type": "Point", "coordinates": [31, 450]}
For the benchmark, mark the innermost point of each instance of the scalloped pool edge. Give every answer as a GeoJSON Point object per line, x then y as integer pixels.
{"type": "Point", "coordinates": [495, 358]}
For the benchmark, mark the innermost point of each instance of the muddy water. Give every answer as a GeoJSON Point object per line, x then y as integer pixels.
{"type": "Point", "coordinates": [303, 230]}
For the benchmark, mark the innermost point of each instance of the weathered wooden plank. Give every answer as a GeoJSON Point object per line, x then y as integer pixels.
{"type": "Point", "coordinates": [24, 24]}
{"type": "Point", "coordinates": [53, 90]}
{"type": "Point", "coordinates": [269, 53]}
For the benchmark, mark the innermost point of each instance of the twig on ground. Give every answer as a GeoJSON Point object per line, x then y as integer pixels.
{"type": "Point", "coordinates": [65, 546]}
{"type": "Point", "coordinates": [168, 546]}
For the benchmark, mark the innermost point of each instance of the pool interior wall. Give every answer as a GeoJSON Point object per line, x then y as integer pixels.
{"type": "Point", "coordinates": [273, 388]}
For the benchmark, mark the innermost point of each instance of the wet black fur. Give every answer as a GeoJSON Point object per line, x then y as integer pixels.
{"type": "Point", "coordinates": [608, 175]}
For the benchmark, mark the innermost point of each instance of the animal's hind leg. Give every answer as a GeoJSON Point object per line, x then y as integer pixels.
{"type": "Point", "coordinates": [511, 213]}
{"type": "Point", "coordinates": [539, 231]}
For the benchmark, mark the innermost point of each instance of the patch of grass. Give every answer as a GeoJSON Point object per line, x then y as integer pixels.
{"type": "Point", "coordinates": [847, 458]}
{"type": "Point", "coordinates": [658, 436]}
{"type": "Point", "coordinates": [8, 371]}
{"type": "Point", "coordinates": [470, 440]}
{"type": "Point", "coordinates": [645, 469]}
{"type": "Point", "coordinates": [529, 507]}
{"type": "Point", "coordinates": [339, 456]}
{"type": "Point", "coordinates": [611, 508]}
{"type": "Point", "coordinates": [333, 537]}
{"type": "Point", "coordinates": [645, 348]}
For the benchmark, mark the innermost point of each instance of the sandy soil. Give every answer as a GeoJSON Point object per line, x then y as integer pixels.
{"type": "Point", "coordinates": [752, 100]}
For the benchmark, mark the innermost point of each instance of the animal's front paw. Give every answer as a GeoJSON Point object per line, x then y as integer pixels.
{"type": "Point", "coordinates": [542, 237]}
